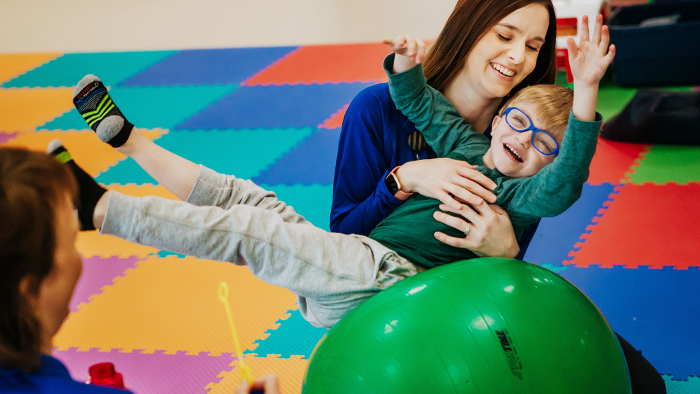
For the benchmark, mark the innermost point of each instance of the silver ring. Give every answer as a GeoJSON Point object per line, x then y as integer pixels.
{"type": "Point", "coordinates": [469, 228]}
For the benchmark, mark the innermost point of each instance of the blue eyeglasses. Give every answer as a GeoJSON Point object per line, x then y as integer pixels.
{"type": "Point", "coordinates": [541, 140]}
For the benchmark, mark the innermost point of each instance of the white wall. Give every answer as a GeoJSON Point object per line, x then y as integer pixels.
{"type": "Point", "coordinates": [97, 25]}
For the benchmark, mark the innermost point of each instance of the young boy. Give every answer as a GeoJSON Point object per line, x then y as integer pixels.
{"type": "Point", "coordinates": [234, 220]}
{"type": "Point", "coordinates": [527, 135]}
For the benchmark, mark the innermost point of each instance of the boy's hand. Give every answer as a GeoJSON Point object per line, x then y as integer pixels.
{"type": "Point", "coordinates": [592, 57]}
{"type": "Point", "coordinates": [410, 50]}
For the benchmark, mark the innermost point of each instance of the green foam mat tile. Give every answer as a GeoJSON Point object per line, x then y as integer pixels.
{"type": "Point", "coordinates": [668, 163]}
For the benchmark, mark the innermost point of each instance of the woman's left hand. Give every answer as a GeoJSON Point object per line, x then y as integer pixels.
{"type": "Point", "coordinates": [490, 233]}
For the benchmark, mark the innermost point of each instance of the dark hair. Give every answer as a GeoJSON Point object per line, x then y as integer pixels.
{"type": "Point", "coordinates": [470, 20]}
{"type": "Point", "coordinates": [33, 186]}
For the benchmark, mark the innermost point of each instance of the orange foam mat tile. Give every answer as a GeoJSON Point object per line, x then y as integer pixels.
{"type": "Point", "coordinates": [326, 64]}
{"type": "Point", "coordinates": [335, 120]}
{"type": "Point", "coordinates": [26, 109]}
{"type": "Point", "coordinates": [171, 304]}
{"type": "Point", "coordinates": [14, 65]}
{"type": "Point", "coordinates": [613, 160]}
{"type": "Point", "coordinates": [91, 154]}
{"type": "Point", "coordinates": [289, 371]}
{"type": "Point", "coordinates": [645, 225]}
{"type": "Point", "coordinates": [94, 244]}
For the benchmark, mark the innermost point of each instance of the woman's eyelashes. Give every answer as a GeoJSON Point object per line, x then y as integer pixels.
{"type": "Point", "coordinates": [504, 38]}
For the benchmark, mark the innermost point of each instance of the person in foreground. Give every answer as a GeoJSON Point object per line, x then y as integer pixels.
{"type": "Point", "coordinates": [39, 269]}
{"type": "Point", "coordinates": [330, 273]}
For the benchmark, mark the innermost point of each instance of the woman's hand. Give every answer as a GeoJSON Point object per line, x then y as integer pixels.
{"type": "Point", "coordinates": [490, 234]}
{"type": "Point", "coordinates": [448, 180]}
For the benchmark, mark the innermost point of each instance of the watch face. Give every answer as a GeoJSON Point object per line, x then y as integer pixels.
{"type": "Point", "coordinates": [391, 184]}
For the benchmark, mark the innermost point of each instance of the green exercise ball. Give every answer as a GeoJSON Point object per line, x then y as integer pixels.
{"type": "Point", "coordinates": [487, 326]}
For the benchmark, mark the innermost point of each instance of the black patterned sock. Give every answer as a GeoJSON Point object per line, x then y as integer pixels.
{"type": "Point", "coordinates": [89, 191]}
{"type": "Point", "coordinates": [94, 104]}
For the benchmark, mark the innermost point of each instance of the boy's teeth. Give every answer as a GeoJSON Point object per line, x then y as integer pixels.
{"type": "Point", "coordinates": [502, 70]}
{"type": "Point", "coordinates": [510, 148]}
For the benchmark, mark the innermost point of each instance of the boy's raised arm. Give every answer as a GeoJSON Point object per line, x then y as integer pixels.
{"type": "Point", "coordinates": [432, 114]}
{"type": "Point", "coordinates": [556, 187]}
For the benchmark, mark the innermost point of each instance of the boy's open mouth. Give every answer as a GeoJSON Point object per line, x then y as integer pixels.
{"type": "Point", "coordinates": [512, 153]}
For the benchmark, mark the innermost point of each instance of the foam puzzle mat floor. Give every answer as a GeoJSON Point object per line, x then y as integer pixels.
{"type": "Point", "coordinates": [274, 115]}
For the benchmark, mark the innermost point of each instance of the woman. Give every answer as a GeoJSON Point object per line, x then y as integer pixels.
{"type": "Point", "coordinates": [39, 268]}
{"type": "Point", "coordinates": [375, 135]}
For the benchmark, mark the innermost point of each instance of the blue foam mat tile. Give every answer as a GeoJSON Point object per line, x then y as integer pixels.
{"type": "Point", "coordinates": [151, 107]}
{"type": "Point", "coordinates": [312, 201]}
{"type": "Point", "coordinates": [311, 162]}
{"type": "Point", "coordinates": [655, 310]}
{"type": "Point", "coordinates": [67, 70]}
{"type": "Point", "coordinates": [568, 227]}
{"type": "Point", "coordinates": [690, 386]}
{"type": "Point", "coordinates": [294, 337]}
{"type": "Point", "coordinates": [275, 106]}
{"type": "Point", "coordinates": [208, 67]}
{"type": "Point", "coordinates": [233, 152]}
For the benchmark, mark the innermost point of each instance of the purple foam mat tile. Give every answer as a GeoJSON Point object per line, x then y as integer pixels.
{"type": "Point", "coordinates": [4, 136]}
{"type": "Point", "coordinates": [151, 373]}
{"type": "Point", "coordinates": [97, 273]}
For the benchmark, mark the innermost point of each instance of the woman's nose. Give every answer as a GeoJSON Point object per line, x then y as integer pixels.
{"type": "Point", "coordinates": [516, 53]}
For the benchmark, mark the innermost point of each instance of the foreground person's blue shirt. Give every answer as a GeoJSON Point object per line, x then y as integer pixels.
{"type": "Point", "coordinates": [374, 140]}
{"type": "Point", "coordinates": [53, 377]}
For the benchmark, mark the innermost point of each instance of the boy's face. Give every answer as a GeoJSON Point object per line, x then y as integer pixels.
{"type": "Point", "coordinates": [511, 152]}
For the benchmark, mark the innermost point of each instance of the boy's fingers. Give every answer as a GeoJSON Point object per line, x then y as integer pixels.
{"type": "Point", "coordinates": [611, 54]}
{"type": "Point", "coordinates": [597, 29]}
{"type": "Point", "coordinates": [572, 49]}
{"type": "Point", "coordinates": [605, 39]}
{"type": "Point", "coordinates": [584, 28]}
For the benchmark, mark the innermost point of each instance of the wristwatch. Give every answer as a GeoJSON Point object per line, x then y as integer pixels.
{"type": "Point", "coordinates": [394, 186]}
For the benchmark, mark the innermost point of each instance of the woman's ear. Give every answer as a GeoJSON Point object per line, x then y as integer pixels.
{"type": "Point", "coordinates": [27, 285]}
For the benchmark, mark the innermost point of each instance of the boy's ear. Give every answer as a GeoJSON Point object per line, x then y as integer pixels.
{"type": "Point", "coordinates": [496, 120]}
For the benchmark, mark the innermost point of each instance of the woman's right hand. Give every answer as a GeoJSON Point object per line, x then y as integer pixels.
{"type": "Point", "coordinates": [453, 182]}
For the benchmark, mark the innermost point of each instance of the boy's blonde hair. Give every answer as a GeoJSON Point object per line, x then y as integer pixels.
{"type": "Point", "coordinates": [553, 103]}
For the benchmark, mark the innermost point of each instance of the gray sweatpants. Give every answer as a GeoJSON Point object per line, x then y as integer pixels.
{"type": "Point", "coordinates": [233, 220]}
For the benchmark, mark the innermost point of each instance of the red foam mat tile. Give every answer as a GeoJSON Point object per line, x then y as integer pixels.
{"type": "Point", "coordinates": [612, 161]}
{"type": "Point", "coordinates": [646, 225]}
{"type": "Point", "coordinates": [326, 64]}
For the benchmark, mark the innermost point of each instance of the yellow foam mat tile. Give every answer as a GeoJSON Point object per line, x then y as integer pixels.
{"type": "Point", "coordinates": [144, 191]}
{"type": "Point", "coordinates": [25, 109]}
{"type": "Point", "coordinates": [91, 154]}
{"type": "Point", "coordinates": [290, 372]}
{"type": "Point", "coordinates": [14, 65]}
{"type": "Point", "coordinates": [172, 304]}
{"type": "Point", "coordinates": [92, 243]}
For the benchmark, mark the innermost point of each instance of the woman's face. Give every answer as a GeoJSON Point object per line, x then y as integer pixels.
{"type": "Point", "coordinates": [507, 53]}
{"type": "Point", "coordinates": [51, 304]}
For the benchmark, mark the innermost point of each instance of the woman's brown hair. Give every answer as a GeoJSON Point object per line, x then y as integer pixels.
{"type": "Point", "coordinates": [33, 186]}
{"type": "Point", "coordinates": [470, 20]}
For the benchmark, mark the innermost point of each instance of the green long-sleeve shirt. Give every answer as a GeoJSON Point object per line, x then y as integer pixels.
{"type": "Point", "coordinates": [409, 229]}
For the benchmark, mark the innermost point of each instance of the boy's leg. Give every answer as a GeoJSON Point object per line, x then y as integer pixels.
{"type": "Point", "coordinates": [209, 189]}
{"type": "Point", "coordinates": [332, 273]}
{"type": "Point", "coordinates": [94, 103]}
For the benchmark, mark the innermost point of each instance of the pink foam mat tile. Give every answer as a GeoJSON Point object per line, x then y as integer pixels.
{"type": "Point", "coordinates": [99, 272]}
{"type": "Point", "coordinates": [153, 373]}
{"type": "Point", "coordinates": [5, 136]}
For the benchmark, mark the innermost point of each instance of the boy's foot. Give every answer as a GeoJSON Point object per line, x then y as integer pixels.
{"type": "Point", "coordinates": [89, 191]}
{"type": "Point", "coordinates": [95, 105]}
